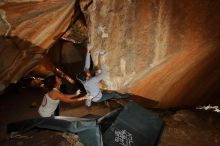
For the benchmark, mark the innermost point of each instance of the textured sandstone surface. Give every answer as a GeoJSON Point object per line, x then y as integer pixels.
{"type": "Point", "coordinates": [165, 50]}
{"type": "Point", "coordinates": [28, 29]}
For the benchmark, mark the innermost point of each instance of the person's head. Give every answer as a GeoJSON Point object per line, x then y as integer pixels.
{"type": "Point", "coordinates": [87, 74]}
{"type": "Point", "coordinates": [84, 75]}
{"type": "Point", "coordinates": [52, 82]}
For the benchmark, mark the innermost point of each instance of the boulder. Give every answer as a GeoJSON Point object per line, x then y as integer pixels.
{"type": "Point", "coordinates": [163, 50]}
{"type": "Point", "coordinates": [28, 29]}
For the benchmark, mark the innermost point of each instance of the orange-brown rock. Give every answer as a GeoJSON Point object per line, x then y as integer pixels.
{"type": "Point", "coordinates": [28, 29]}
{"type": "Point", "coordinates": [164, 50]}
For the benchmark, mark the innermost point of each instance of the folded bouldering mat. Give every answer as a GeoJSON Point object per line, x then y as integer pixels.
{"type": "Point", "coordinates": [134, 126]}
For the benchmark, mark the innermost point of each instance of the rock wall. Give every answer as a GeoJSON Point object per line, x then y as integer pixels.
{"type": "Point", "coordinates": [164, 50]}
{"type": "Point", "coordinates": [28, 28]}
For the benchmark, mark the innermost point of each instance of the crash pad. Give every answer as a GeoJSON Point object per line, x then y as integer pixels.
{"type": "Point", "coordinates": [134, 126]}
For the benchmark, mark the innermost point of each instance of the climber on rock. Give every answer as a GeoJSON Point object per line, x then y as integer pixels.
{"type": "Point", "coordinates": [90, 80]}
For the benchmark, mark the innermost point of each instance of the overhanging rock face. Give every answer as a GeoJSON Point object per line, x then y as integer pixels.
{"type": "Point", "coordinates": [163, 50]}
{"type": "Point", "coordinates": [29, 28]}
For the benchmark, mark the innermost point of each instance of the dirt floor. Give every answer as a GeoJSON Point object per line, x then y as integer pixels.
{"type": "Point", "coordinates": [183, 127]}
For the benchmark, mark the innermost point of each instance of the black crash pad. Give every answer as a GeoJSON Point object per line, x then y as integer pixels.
{"type": "Point", "coordinates": [134, 126]}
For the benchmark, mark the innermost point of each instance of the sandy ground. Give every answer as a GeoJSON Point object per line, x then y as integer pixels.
{"type": "Point", "coordinates": [183, 127]}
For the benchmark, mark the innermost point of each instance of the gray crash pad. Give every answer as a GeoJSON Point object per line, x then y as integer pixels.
{"type": "Point", "coordinates": [134, 126]}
